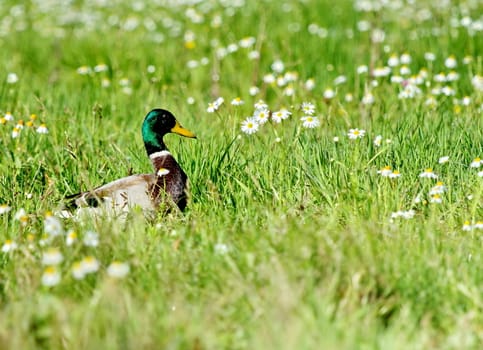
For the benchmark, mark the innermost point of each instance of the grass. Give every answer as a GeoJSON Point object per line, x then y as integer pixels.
{"type": "Point", "coordinates": [288, 240]}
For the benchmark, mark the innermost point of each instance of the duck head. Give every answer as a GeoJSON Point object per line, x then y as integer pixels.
{"type": "Point", "coordinates": [158, 123]}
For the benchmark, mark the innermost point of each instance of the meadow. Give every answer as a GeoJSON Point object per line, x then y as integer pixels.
{"type": "Point", "coordinates": [336, 182]}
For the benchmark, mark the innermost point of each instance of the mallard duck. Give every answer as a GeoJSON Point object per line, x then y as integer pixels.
{"type": "Point", "coordinates": [164, 187]}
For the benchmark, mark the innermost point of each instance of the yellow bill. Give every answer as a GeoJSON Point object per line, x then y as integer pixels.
{"type": "Point", "coordinates": [178, 129]}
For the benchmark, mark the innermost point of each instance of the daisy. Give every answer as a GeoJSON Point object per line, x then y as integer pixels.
{"type": "Point", "coordinates": [12, 78]}
{"type": "Point", "coordinates": [404, 70]}
{"type": "Point", "coordinates": [476, 163]}
{"type": "Point", "coordinates": [380, 72]}
{"type": "Point", "coordinates": [393, 61]}
{"type": "Point", "coordinates": [52, 256]}
{"type": "Point", "coordinates": [77, 271]}
{"type": "Point", "coordinates": [310, 122]}
{"type": "Point", "coordinates": [443, 160]}
{"type": "Point", "coordinates": [452, 76]}
{"type": "Point", "coordinates": [436, 199]}
{"type": "Point", "coordinates": [118, 269]}
{"type": "Point", "coordinates": [9, 246]}
{"type": "Point", "coordinates": [428, 173]}
{"type": "Point", "coordinates": [261, 116]}
{"type": "Point", "coordinates": [254, 55]}
{"type": "Point", "coordinates": [83, 70]}
{"type": "Point", "coordinates": [429, 56]}
{"type": "Point", "coordinates": [71, 238]}
{"type": "Point", "coordinates": [15, 133]}
{"type": "Point", "coordinates": [21, 216]}
{"type": "Point", "coordinates": [329, 94]}
{"type": "Point", "coordinates": [50, 277]}
{"type": "Point", "coordinates": [281, 81]}
{"type": "Point", "coordinates": [480, 173]}
{"type": "Point", "coordinates": [101, 67]}
{"type": "Point", "coordinates": [247, 42]}
{"type": "Point", "coordinates": [289, 91]}
{"type": "Point", "coordinates": [269, 78]}
{"type": "Point", "coordinates": [52, 225]}
{"type": "Point", "coordinates": [409, 214]}
{"type": "Point", "coordinates": [308, 108]}
{"type": "Point", "coordinates": [278, 66]}
{"type": "Point", "coordinates": [377, 141]}
{"type": "Point", "coordinates": [310, 84]}
{"type": "Point", "coordinates": [405, 58]}
{"type": "Point", "coordinates": [349, 97]}
{"type": "Point", "coordinates": [395, 174]}
{"type": "Point", "coordinates": [249, 126]}
{"type": "Point", "coordinates": [105, 83]}
{"type": "Point", "coordinates": [91, 239]}
{"type": "Point", "coordinates": [386, 171]}
{"type": "Point", "coordinates": [341, 79]}
{"type": "Point", "coordinates": [450, 62]}
{"type": "Point", "coordinates": [253, 90]}
{"type": "Point", "coordinates": [367, 99]}
{"type": "Point", "coordinates": [221, 248]}
{"type": "Point", "coordinates": [211, 107]}
{"type": "Point", "coordinates": [260, 104]}
{"type": "Point", "coordinates": [467, 226]}
{"type": "Point", "coordinates": [237, 101]}
{"type": "Point", "coordinates": [362, 69]}
{"type": "Point", "coordinates": [4, 209]}
{"type": "Point", "coordinates": [356, 134]}
{"type": "Point", "coordinates": [478, 225]}
{"type": "Point", "coordinates": [438, 189]}
{"type": "Point", "coordinates": [8, 116]}
{"type": "Point", "coordinates": [280, 115]}
{"type": "Point", "coordinates": [291, 76]}
{"type": "Point", "coordinates": [90, 264]}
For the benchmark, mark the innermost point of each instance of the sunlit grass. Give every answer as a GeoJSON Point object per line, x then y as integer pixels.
{"type": "Point", "coordinates": [297, 235]}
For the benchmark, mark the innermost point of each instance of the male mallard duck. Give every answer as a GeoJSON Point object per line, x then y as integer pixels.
{"type": "Point", "coordinates": [166, 185]}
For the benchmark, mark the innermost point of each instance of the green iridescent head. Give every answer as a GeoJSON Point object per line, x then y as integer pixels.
{"type": "Point", "coordinates": [158, 123]}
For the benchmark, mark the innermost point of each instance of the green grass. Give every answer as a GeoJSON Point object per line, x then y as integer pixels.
{"type": "Point", "coordinates": [313, 259]}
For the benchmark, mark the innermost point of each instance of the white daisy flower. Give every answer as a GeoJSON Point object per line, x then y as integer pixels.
{"type": "Point", "coordinates": [476, 163]}
{"type": "Point", "coordinates": [261, 116]}
{"type": "Point", "coordinates": [52, 256]}
{"type": "Point", "coordinates": [356, 134]}
{"type": "Point", "coordinates": [429, 174]}
{"type": "Point", "coordinates": [90, 264]}
{"type": "Point", "coordinates": [4, 209]}
{"type": "Point", "coordinates": [71, 238]}
{"type": "Point", "coordinates": [439, 188]}
{"type": "Point", "coordinates": [221, 248]}
{"type": "Point", "coordinates": [52, 225]}
{"type": "Point", "coordinates": [260, 104]}
{"type": "Point", "coordinates": [51, 276]}
{"type": "Point", "coordinates": [443, 160]}
{"type": "Point", "coordinates": [42, 129]}
{"type": "Point", "coordinates": [9, 246]}
{"type": "Point", "coordinates": [91, 239]}
{"type": "Point", "coordinates": [310, 122]}
{"type": "Point", "coordinates": [308, 108]}
{"type": "Point", "coordinates": [280, 115]}
{"type": "Point", "coordinates": [377, 141]}
{"type": "Point", "coordinates": [118, 269]}
{"type": "Point", "coordinates": [237, 101]}
{"type": "Point", "coordinates": [249, 126]}
{"type": "Point", "coordinates": [12, 78]}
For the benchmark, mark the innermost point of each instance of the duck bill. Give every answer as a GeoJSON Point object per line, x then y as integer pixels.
{"type": "Point", "coordinates": [178, 129]}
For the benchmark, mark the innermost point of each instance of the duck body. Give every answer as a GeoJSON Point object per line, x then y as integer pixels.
{"type": "Point", "coordinates": [165, 187]}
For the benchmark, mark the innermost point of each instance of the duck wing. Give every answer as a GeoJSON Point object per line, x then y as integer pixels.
{"type": "Point", "coordinates": [134, 190]}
